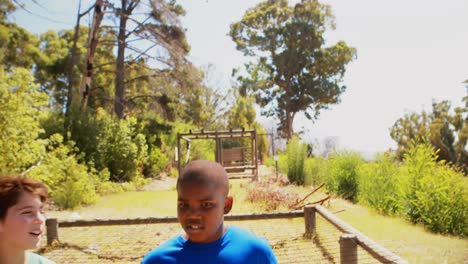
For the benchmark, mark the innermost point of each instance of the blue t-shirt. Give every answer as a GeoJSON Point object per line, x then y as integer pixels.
{"type": "Point", "coordinates": [235, 246]}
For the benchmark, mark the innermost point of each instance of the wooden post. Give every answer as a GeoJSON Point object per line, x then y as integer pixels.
{"type": "Point", "coordinates": [348, 249]}
{"type": "Point", "coordinates": [310, 224]}
{"type": "Point", "coordinates": [52, 230]}
{"type": "Point", "coordinates": [254, 154]}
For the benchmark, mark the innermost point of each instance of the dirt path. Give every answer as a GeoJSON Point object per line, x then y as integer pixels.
{"type": "Point", "coordinates": [162, 183]}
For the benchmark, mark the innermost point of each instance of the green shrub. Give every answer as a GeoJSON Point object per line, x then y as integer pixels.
{"type": "Point", "coordinates": [436, 195]}
{"type": "Point", "coordinates": [157, 163]}
{"type": "Point", "coordinates": [161, 136]}
{"type": "Point", "coordinates": [113, 144]}
{"type": "Point", "coordinates": [21, 107]}
{"type": "Point", "coordinates": [71, 184]}
{"type": "Point", "coordinates": [282, 162]}
{"type": "Point", "coordinates": [173, 172]}
{"type": "Point", "coordinates": [199, 149]}
{"type": "Point", "coordinates": [296, 154]}
{"type": "Point", "coordinates": [315, 171]}
{"type": "Point", "coordinates": [262, 142]}
{"type": "Point", "coordinates": [344, 174]}
{"type": "Point", "coordinates": [380, 185]}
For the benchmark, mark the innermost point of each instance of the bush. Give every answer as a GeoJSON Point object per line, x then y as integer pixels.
{"type": "Point", "coordinates": [157, 162]}
{"type": "Point", "coordinates": [282, 162]}
{"type": "Point", "coordinates": [262, 142]}
{"type": "Point", "coordinates": [315, 171]}
{"type": "Point", "coordinates": [380, 186]}
{"type": "Point", "coordinates": [22, 104]}
{"type": "Point", "coordinates": [296, 153]}
{"type": "Point", "coordinates": [344, 175]}
{"type": "Point", "coordinates": [113, 144]}
{"type": "Point", "coordinates": [70, 183]}
{"type": "Point", "coordinates": [436, 195]}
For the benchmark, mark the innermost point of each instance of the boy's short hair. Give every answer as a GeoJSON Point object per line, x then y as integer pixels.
{"type": "Point", "coordinates": [12, 187]}
{"type": "Point", "coordinates": [204, 172]}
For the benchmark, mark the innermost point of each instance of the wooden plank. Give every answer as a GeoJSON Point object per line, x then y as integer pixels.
{"type": "Point", "coordinates": [234, 154]}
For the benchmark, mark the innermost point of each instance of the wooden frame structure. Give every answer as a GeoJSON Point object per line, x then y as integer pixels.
{"type": "Point", "coordinates": [234, 159]}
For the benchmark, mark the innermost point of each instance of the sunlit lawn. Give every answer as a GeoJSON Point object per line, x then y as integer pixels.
{"type": "Point", "coordinates": [411, 242]}
{"type": "Point", "coordinates": [125, 205]}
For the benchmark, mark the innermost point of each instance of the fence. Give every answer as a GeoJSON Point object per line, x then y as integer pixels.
{"type": "Point", "coordinates": [311, 236]}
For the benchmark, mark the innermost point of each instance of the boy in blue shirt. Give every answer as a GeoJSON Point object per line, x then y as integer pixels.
{"type": "Point", "coordinates": [203, 200]}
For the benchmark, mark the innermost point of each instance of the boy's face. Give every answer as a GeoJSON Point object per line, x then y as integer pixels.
{"type": "Point", "coordinates": [24, 223]}
{"type": "Point", "coordinates": [201, 209]}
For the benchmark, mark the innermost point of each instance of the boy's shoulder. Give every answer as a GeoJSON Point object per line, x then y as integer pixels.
{"type": "Point", "coordinates": [247, 247]}
{"type": "Point", "coordinates": [245, 234]}
{"type": "Point", "coordinates": [164, 253]}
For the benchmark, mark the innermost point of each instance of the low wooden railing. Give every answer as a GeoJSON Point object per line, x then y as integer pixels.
{"type": "Point", "coordinates": [349, 241]}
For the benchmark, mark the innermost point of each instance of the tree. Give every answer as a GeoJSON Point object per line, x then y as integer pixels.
{"type": "Point", "coordinates": [242, 115]}
{"type": "Point", "coordinates": [159, 28]}
{"type": "Point", "coordinates": [18, 47]}
{"type": "Point", "coordinates": [445, 130]}
{"type": "Point", "coordinates": [293, 72]}
{"type": "Point", "coordinates": [21, 107]}
{"type": "Point", "coordinates": [6, 7]}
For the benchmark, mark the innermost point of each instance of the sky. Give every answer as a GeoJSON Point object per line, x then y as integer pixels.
{"type": "Point", "coordinates": [409, 53]}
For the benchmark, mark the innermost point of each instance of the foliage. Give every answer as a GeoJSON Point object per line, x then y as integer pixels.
{"type": "Point", "coordinates": [296, 154]}
{"type": "Point", "coordinates": [159, 26]}
{"type": "Point", "coordinates": [157, 134]}
{"type": "Point", "coordinates": [21, 108]}
{"type": "Point", "coordinates": [282, 162]}
{"type": "Point", "coordinates": [70, 183]}
{"type": "Point", "coordinates": [436, 195]}
{"type": "Point", "coordinates": [6, 7]}
{"type": "Point", "coordinates": [316, 171]}
{"type": "Point", "coordinates": [262, 142]}
{"type": "Point", "coordinates": [293, 71]}
{"type": "Point", "coordinates": [447, 132]}
{"type": "Point", "coordinates": [200, 104]}
{"type": "Point", "coordinates": [112, 143]}
{"type": "Point", "coordinates": [157, 162]}
{"type": "Point", "coordinates": [380, 185]}
{"type": "Point", "coordinates": [18, 47]}
{"type": "Point", "coordinates": [242, 115]}
{"type": "Point", "coordinates": [202, 149]}
{"type": "Point", "coordinates": [343, 178]}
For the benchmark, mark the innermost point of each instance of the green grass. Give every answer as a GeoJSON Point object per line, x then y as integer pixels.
{"type": "Point", "coordinates": [411, 242]}
{"type": "Point", "coordinates": [126, 205]}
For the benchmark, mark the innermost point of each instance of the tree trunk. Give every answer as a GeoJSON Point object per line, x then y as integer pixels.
{"type": "Point", "coordinates": [71, 72]}
{"type": "Point", "coordinates": [119, 100]}
{"type": "Point", "coordinates": [289, 125]}
{"type": "Point", "coordinates": [92, 45]}
{"type": "Point", "coordinates": [120, 75]}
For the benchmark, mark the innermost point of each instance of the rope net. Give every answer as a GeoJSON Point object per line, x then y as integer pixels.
{"type": "Point", "coordinates": [129, 243]}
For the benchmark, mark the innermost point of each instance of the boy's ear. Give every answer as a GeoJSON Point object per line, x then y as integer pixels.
{"type": "Point", "coordinates": [228, 204]}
